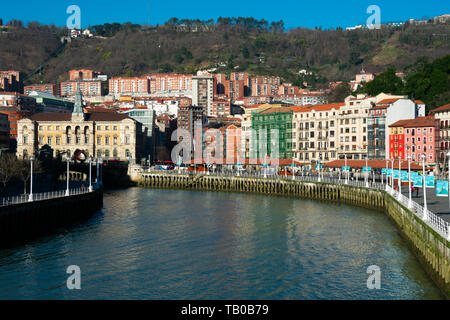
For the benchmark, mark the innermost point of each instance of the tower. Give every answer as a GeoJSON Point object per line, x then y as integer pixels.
{"type": "Point", "coordinates": [77, 113]}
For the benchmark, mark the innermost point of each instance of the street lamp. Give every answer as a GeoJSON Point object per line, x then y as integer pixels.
{"type": "Point", "coordinates": [425, 216]}
{"type": "Point", "coordinates": [90, 174]}
{"type": "Point", "coordinates": [392, 176]}
{"type": "Point", "coordinates": [346, 169]}
{"type": "Point", "coordinates": [30, 197]}
{"type": "Point", "coordinates": [448, 155]}
{"type": "Point", "coordinates": [367, 173]}
{"type": "Point", "coordinates": [67, 176]}
{"type": "Point", "coordinates": [399, 178]}
{"type": "Point", "coordinates": [409, 181]}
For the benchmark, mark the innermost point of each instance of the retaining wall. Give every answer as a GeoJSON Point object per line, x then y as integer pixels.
{"type": "Point", "coordinates": [27, 220]}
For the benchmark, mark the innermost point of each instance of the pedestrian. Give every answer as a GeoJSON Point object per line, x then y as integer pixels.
{"type": "Point", "coordinates": [412, 190]}
{"type": "Point", "coordinates": [417, 192]}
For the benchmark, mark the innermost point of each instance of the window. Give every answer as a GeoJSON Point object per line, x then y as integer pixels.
{"type": "Point", "coordinates": [115, 139]}
{"type": "Point", "coordinates": [106, 139]}
{"type": "Point", "coordinates": [58, 140]}
{"type": "Point", "coordinates": [49, 141]}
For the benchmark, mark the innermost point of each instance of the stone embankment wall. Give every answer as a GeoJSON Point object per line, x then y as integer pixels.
{"type": "Point", "coordinates": [27, 220]}
{"type": "Point", "coordinates": [431, 249]}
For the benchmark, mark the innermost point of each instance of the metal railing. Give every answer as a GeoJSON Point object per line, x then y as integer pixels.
{"type": "Point", "coordinates": [44, 196]}
{"type": "Point", "coordinates": [435, 222]}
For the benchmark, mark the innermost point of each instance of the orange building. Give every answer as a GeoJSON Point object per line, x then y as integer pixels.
{"type": "Point", "coordinates": [129, 85]}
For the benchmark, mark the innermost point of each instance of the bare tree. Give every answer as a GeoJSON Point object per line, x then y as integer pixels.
{"type": "Point", "coordinates": [24, 171]}
{"type": "Point", "coordinates": [8, 168]}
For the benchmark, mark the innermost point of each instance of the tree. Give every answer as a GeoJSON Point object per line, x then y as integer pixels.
{"type": "Point", "coordinates": [386, 82]}
{"type": "Point", "coordinates": [339, 93]}
{"type": "Point", "coordinates": [24, 171]}
{"type": "Point", "coordinates": [8, 168]}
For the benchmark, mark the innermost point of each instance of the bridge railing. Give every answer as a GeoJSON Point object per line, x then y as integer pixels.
{"type": "Point", "coordinates": [6, 201]}
{"type": "Point", "coordinates": [438, 224]}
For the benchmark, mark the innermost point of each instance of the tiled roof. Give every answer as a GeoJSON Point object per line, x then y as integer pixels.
{"type": "Point", "coordinates": [375, 164]}
{"type": "Point", "coordinates": [277, 110]}
{"type": "Point", "coordinates": [318, 107]}
{"type": "Point", "coordinates": [442, 108]}
{"type": "Point", "coordinates": [388, 101]}
{"type": "Point", "coordinates": [415, 123]}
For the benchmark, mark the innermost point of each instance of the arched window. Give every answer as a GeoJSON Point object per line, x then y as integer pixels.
{"type": "Point", "coordinates": [106, 153]}
{"type": "Point", "coordinates": [115, 153]}
{"type": "Point", "coordinates": [99, 153]}
{"type": "Point", "coordinates": [127, 153]}
{"type": "Point", "coordinates": [25, 154]}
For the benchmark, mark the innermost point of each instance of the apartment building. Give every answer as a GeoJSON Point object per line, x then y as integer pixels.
{"type": "Point", "coordinates": [386, 111]}
{"type": "Point", "coordinates": [301, 99]}
{"type": "Point", "coordinates": [413, 138]}
{"type": "Point", "coordinates": [352, 121]}
{"type": "Point", "coordinates": [16, 106]}
{"type": "Point", "coordinates": [274, 118]}
{"type": "Point", "coordinates": [442, 115]}
{"type": "Point", "coordinates": [48, 88]}
{"type": "Point", "coordinates": [315, 132]}
{"type": "Point", "coordinates": [83, 74]}
{"type": "Point", "coordinates": [170, 83]}
{"type": "Point", "coordinates": [221, 108]}
{"type": "Point", "coordinates": [11, 81]}
{"type": "Point", "coordinates": [263, 85]}
{"type": "Point", "coordinates": [88, 88]}
{"type": "Point", "coordinates": [129, 85]}
{"type": "Point", "coordinates": [203, 93]}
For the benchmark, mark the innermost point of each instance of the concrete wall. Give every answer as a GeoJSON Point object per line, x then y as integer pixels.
{"type": "Point", "coordinates": [26, 220]}
{"type": "Point", "coordinates": [431, 249]}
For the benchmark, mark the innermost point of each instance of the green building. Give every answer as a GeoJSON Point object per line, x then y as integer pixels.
{"type": "Point", "coordinates": [280, 118]}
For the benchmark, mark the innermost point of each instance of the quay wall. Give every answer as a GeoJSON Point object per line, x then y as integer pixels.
{"type": "Point", "coordinates": [430, 248]}
{"type": "Point", "coordinates": [24, 221]}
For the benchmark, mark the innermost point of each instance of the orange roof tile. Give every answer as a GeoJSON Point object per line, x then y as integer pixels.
{"type": "Point", "coordinates": [388, 101]}
{"type": "Point", "coordinates": [442, 108]}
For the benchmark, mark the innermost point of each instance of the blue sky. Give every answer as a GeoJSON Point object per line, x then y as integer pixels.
{"type": "Point", "coordinates": [305, 13]}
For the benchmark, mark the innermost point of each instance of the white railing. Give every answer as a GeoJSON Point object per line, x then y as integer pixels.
{"type": "Point", "coordinates": [43, 196]}
{"type": "Point", "coordinates": [438, 224]}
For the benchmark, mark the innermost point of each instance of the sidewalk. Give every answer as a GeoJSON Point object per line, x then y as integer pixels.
{"type": "Point", "coordinates": [437, 205]}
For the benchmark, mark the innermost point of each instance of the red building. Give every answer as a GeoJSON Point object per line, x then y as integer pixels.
{"type": "Point", "coordinates": [128, 85]}
{"type": "Point", "coordinates": [11, 81]}
{"type": "Point", "coordinates": [16, 106]}
{"type": "Point", "coordinates": [221, 108]}
{"type": "Point", "coordinates": [83, 74]}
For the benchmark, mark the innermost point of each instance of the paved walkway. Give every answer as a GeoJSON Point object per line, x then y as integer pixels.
{"type": "Point", "coordinates": [437, 205]}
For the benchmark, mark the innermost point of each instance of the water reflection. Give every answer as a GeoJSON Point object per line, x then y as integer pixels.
{"type": "Point", "coordinates": [165, 244]}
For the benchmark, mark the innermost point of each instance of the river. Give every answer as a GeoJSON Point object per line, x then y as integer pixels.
{"type": "Point", "coordinates": [168, 244]}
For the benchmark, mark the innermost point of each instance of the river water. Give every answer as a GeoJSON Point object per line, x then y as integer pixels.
{"type": "Point", "coordinates": [166, 244]}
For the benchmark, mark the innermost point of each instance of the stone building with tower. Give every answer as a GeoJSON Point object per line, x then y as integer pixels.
{"type": "Point", "coordinates": [105, 135]}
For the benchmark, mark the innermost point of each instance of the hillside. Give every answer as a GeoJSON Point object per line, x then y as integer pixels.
{"type": "Point", "coordinates": [242, 45]}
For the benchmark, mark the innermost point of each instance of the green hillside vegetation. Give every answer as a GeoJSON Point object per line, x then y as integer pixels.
{"type": "Point", "coordinates": [425, 80]}
{"type": "Point", "coordinates": [227, 44]}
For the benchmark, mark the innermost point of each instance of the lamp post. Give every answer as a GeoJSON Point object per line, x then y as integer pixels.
{"type": "Point", "coordinates": [392, 176]}
{"type": "Point", "coordinates": [409, 181]}
{"type": "Point", "coordinates": [399, 178]}
{"type": "Point", "coordinates": [425, 216]}
{"type": "Point", "coordinates": [90, 174]}
{"type": "Point", "coordinates": [346, 170]}
{"type": "Point", "coordinates": [30, 197]}
{"type": "Point", "coordinates": [448, 155]}
{"type": "Point", "coordinates": [67, 176]}
{"type": "Point", "coordinates": [367, 173]}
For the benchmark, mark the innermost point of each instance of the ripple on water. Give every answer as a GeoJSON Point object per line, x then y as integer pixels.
{"type": "Point", "coordinates": [165, 244]}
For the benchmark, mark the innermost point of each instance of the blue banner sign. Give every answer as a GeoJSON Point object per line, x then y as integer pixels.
{"type": "Point", "coordinates": [396, 174]}
{"type": "Point", "coordinates": [383, 171]}
{"type": "Point", "coordinates": [367, 169]}
{"type": "Point", "coordinates": [429, 181]}
{"type": "Point", "coordinates": [417, 181]}
{"type": "Point", "coordinates": [441, 188]}
{"type": "Point", "coordinates": [345, 168]}
{"type": "Point", "coordinates": [405, 176]}
{"type": "Point", "coordinates": [389, 172]}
